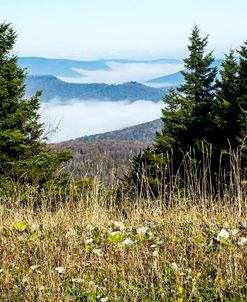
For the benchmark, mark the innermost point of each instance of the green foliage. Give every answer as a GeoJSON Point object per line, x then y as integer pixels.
{"type": "Point", "coordinates": [23, 152]}
{"type": "Point", "coordinates": [20, 226]}
{"type": "Point", "coordinates": [187, 115]}
{"type": "Point", "coordinates": [85, 183]}
{"type": "Point", "coordinates": [147, 174]}
{"type": "Point", "coordinates": [204, 115]}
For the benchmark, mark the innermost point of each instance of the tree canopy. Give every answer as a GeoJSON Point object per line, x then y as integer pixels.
{"type": "Point", "coordinates": [24, 155]}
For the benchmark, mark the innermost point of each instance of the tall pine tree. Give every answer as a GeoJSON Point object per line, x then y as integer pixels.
{"type": "Point", "coordinates": [23, 152]}
{"type": "Point", "coordinates": [187, 117]}
{"type": "Point", "coordinates": [226, 109]}
{"type": "Point", "coordinates": [230, 109]}
{"type": "Point", "coordinates": [242, 120]}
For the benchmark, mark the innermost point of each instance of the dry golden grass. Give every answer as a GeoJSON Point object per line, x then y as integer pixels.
{"type": "Point", "coordinates": [87, 249]}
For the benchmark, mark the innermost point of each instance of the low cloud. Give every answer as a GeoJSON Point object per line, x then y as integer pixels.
{"type": "Point", "coordinates": [81, 118]}
{"type": "Point", "coordinates": [125, 72]}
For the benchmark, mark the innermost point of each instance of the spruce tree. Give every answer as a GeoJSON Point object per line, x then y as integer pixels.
{"type": "Point", "coordinates": [230, 109]}
{"type": "Point", "coordinates": [242, 90]}
{"type": "Point", "coordinates": [24, 155]}
{"type": "Point", "coordinates": [189, 126]}
{"type": "Point", "coordinates": [187, 115]}
{"type": "Point", "coordinates": [226, 109]}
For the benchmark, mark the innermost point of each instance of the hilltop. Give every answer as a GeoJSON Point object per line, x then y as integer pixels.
{"type": "Point", "coordinates": [176, 79]}
{"type": "Point", "coordinates": [144, 132]}
{"type": "Point", "coordinates": [52, 88]}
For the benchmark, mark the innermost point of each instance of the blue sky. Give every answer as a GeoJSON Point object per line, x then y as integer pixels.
{"type": "Point", "coordinates": [122, 28]}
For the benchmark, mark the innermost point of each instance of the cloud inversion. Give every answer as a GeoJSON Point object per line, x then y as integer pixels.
{"type": "Point", "coordinates": [125, 72]}
{"type": "Point", "coordinates": [81, 118]}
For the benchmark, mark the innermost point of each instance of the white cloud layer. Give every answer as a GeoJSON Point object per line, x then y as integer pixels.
{"type": "Point", "coordinates": [81, 118]}
{"type": "Point", "coordinates": [125, 72]}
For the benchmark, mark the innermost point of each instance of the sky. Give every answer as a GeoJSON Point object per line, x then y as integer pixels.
{"type": "Point", "coordinates": [87, 29]}
{"type": "Point", "coordinates": [136, 29]}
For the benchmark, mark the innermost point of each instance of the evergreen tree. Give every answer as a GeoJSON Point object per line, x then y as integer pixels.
{"type": "Point", "coordinates": [242, 89]}
{"type": "Point", "coordinates": [230, 110]}
{"type": "Point", "coordinates": [226, 109]}
{"type": "Point", "coordinates": [187, 117]}
{"type": "Point", "coordinates": [23, 152]}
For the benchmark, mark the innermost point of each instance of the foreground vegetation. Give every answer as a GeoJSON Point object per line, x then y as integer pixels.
{"type": "Point", "coordinates": [89, 249]}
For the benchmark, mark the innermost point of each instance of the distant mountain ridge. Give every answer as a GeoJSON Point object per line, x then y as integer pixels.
{"type": "Point", "coordinates": [144, 132]}
{"type": "Point", "coordinates": [69, 68]}
{"type": "Point", "coordinates": [176, 79]}
{"type": "Point", "coordinates": [59, 67]}
{"type": "Point", "coordinates": [53, 88]}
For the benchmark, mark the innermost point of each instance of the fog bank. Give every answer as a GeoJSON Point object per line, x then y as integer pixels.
{"type": "Point", "coordinates": [81, 118]}
{"type": "Point", "coordinates": [124, 72]}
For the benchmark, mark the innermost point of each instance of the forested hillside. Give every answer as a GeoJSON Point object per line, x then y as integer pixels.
{"type": "Point", "coordinates": [53, 88]}
{"type": "Point", "coordinates": [104, 160]}
{"type": "Point", "coordinates": [144, 132]}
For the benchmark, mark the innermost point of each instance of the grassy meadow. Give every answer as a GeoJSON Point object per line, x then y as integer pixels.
{"type": "Point", "coordinates": [88, 248]}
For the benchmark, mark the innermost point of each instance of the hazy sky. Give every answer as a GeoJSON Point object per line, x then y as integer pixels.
{"type": "Point", "coordinates": [122, 28]}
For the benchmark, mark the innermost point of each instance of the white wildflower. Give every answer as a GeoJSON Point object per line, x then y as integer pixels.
{"type": "Point", "coordinates": [142, 230]}
{"type": "Point", "coordinates": [114, 233]}
{"type": "Point", "coordinates": [118, 224]}
{"type": "Point", "coordinates": [153, 245]}
{"type": "Point", "coordinates": [223, 234]}
{"type": "Point", "coordinates": [35, 227]}
{"type": "Point", "coordinates": [25, 280]}
{"type": "Point", "coordinates": [155, 253]}
{"type": "Point", "coordinates": [104, 299]}
{"type": "Point", "coordinates": [98, 252]}
{"type": "Point", "coordinates": [242, 241]}
{"type": "Point", "coordinates": [174, 266]}
{"type": "Point", "coordinates": [34, 267]}
{"type": "Point", "coordinates": [60, 269]}
{"type": "Point", "coordinates": [127, 241]}
{"type": "Point", "coordinates": [76, 280]}
{"type": "Point", "coordinates": [90, 240]}
{"type": "Point", "coordinates": [1, 270]}
{"type": "Point", "coordinates": [90, 227]}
